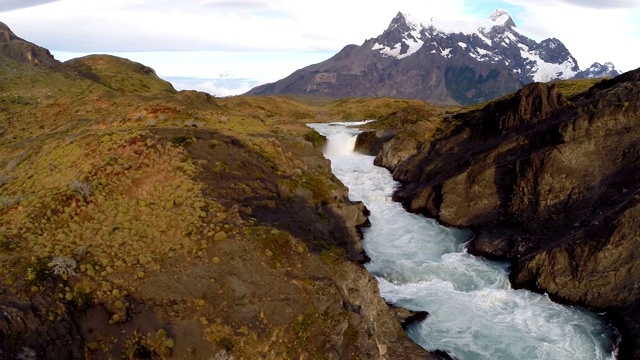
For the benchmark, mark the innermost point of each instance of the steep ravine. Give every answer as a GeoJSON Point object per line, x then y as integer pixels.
{"type": "Point", "coordinates": [548, 183]}
{"type": "Point", "coordinates": [474, 313]}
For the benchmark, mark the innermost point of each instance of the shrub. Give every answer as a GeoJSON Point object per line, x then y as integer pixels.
{"type": "Point", "coordinates": [81, 188]}
{"type": "Point", "coordinates": [9, 201]}
{"type": "Point", "coordinates": [38, 272]}
{"type": "Point", "coordinates": [137, 348]}
{"type": "Point", "coordinates": [63, 266]}
{"type": "Point", "coordinates": [181, 141]}
{"type": "Point", "coordinates": [82, 299]}
{"type": "Point", "coordinates": [225, 344]}
{"type": "Point", "coordinates": [5, 179]}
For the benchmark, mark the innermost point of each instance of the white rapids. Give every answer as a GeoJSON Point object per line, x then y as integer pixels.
{"type": "Point", "coordinates": [473, 311]}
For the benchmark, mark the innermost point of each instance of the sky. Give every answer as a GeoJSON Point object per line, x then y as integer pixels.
{"type": "Point", "coordinates": [225, 47]}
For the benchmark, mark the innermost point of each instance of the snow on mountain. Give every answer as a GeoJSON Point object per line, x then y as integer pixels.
{"type": "Point", "coordinates": [495, 39]}
{"type": "Point", "coordinates": [480, 28]}
{"type": "Point", "coordinates": [442, 62]}
{"type": "Point", "coordinates": [597, 70]}
{"type": "Point", "coordinates": [411, 40]}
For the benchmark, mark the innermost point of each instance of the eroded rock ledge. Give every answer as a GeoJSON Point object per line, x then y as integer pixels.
{"type": "Point", "coordinates": [549, 183]}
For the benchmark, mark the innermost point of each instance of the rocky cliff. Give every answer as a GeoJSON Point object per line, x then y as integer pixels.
{"type": "Point", "coordinates": [21, 50]}
{"type": "Point", "coordinates": [548, 182]}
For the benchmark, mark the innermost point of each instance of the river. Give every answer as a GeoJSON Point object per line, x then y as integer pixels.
{"type": "Point", "coordinates": [473, 311]}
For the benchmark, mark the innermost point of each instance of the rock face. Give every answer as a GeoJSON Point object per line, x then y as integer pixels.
{"type": "Point", "coordinates": [371, 142]}
{"type": "Point", "coordinates": [21, 50]}
{"type": "Point", "coordinates": [549, 183]}
{"type": "Point", "coordinates": [439, 62]}
{"type": "Point", "coordinates": [25, 334]}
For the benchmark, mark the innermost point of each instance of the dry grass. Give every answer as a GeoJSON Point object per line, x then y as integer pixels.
{"type": "Point", "coordinates": [143, 207]}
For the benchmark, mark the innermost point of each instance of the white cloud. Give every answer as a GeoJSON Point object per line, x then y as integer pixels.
{"type": "Point", "coordinates": [216, 87]}
{"type": "Point", "coordinates": [599, 4]}
{"type": "Point", "coordinates": [161, 25]}
{"type": "Point", "coordinates": [7, 5]}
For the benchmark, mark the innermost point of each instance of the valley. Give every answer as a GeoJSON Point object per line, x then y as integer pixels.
{"type": "Point", "coordinates": [137, 221]}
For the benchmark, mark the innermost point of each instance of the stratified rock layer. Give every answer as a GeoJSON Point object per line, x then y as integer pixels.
{"type": "Point", "coordinates": [549, 183]}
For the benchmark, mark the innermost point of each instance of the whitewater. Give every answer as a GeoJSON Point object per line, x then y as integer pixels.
{"type": "Point", "coordinates": [422, 266]}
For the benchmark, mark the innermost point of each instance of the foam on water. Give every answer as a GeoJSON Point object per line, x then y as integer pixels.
{"type": "Point", "coordinates": [420, 265]}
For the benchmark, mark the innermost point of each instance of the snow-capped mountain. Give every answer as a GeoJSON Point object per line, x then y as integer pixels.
{"type": "Point", "coordinates": [494, 40]}
{"type": "Point", "coordinates": [438, 61]}
{"type": "Point", "coordinates": [598, 70]}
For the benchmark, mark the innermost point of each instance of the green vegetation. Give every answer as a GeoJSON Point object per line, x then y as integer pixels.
{"type": "Point", "coordinates": [119, 74]}
{"type": "Point", "coordinates": [224, 343]}
{"type": "Point", "coordinates": [315, 138]}
{"type": "Point", "coordinates": [571, 88]}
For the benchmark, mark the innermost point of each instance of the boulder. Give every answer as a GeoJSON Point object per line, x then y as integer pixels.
{"type": "Point", "coordinates": [371, 142]}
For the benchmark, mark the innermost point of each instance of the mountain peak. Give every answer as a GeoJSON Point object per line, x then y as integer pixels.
{"type": "Point", "coordinates": [399, 19]}
{"type": "Point", "coordinates": [403, 19]}
{"type": "Point", "coordinates": [498, 14]}
{"type": "Point", "coordinates": [598, 70]}
{"type": "Point", "coordinates": [501, 17]}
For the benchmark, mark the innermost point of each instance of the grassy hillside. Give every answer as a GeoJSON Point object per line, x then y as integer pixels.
{"type": "Point", "coordinates": [119, 74]}
{"type": "Point", "coordinates": [161, 222]}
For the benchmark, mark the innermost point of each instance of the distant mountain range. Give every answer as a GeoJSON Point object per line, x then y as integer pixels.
{"type": "Point", "coordinates": [456, 63]}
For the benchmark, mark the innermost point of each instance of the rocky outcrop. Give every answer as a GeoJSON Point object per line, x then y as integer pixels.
{"type": "Point", "coordinates": [26, 333]}
{"type": "Point", "coordinates": [548, 183]}
{"type": "Point", "coordinates": [292, 201]}
{"type": "Point", "coordinates": [21, 50]}
{"type": "Point", "coordinates": [371, 142]}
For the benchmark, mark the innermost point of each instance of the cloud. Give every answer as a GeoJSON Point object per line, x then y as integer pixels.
{"type": "Point", "coordinates": [8, 5]}
{"type": "Point", "coordinates": [609, 4]}
{"type": "Point", "coordinates": [232, 4]}
{"type": "Point", "coordinates": [223, 25]}
{"type": "Point", "coordinates": [215, 87]}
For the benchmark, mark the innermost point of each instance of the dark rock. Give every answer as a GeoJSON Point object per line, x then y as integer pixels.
{"type": "Point", "coordinates": [21, 50]}
{"type": "Point", "coordinates": [371, 142]}
{"type": "Point", "coordinates": [416, 317]}
{"type": "Point", "coordinates": [443, 355]}
{"type": "Point", "coordinates": [408, 317]}
{"type": "Point", "coordinates": [25, 331]}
